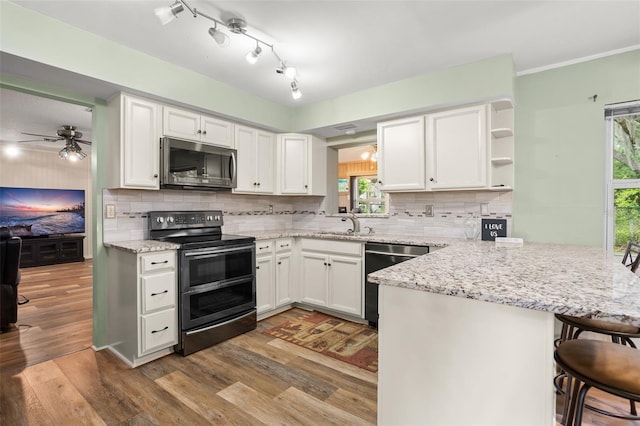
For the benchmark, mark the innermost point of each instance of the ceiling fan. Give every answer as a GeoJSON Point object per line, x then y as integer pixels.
{"type": "Point", "coordinates": [71, 136]}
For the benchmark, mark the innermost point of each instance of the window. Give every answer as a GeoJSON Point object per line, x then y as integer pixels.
{"type": "Point", "coordinates": [366, 194]}
{"type": "Point", "coordinates": [623, 213]}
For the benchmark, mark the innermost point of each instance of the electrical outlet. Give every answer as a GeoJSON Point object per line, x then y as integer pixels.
{"type": "Point", "coordinates": [110, 211]}
{"type": "Point", "coordinates": [270, 208]}
{"type": "Point", "coordinates": [428, 210]}
{"type": "Point", "coordinates": [484, 209]}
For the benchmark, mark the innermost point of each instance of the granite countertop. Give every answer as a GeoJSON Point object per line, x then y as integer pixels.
{"type": "Point", "coordinates": [142, 246]}
{"type": "Point", "coordinates": [573, 280]}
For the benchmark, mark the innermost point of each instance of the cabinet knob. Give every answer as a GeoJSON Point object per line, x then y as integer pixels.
{"type": "Point", "coordinates": [199, 132]}
{"type": "Point", "coordinates": [204, 132]}
{"type": "Point", "coordinates": [257, 267]}
{"type": "Point", "coordinates": [258, 183]}
{"type": "Point", "coordinates": [306, 186]}
{"type": "Point", "coordinates": [432, 179]}
{"type": "Point", "coordinates": [325, 263]}
{"type": "Point", "coordinates": [155, 176]}
{"type": "Point", "coordinates": [279, 263]}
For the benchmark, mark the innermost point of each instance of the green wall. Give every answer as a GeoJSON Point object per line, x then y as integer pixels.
{"type": "Point", "coordinates": [560, 148]}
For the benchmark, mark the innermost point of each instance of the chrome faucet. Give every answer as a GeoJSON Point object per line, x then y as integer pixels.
{"type": "Point", "coordinates": [354, 220]}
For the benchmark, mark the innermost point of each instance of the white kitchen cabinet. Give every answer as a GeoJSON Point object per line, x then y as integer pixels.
{"type": "Point", "coordinates": [193, 126]}
{"type": "Point", "coordinates": [301, 165]}
{"type": "Point", "coordinates": [502, 145]}
{"type": "Point", "coordinates": [285, 291]}
{"type": "Point", "coordinates": [134, 138]}
{"type": "Point", "coordinates": [332, 275]}
{"type": "Point", "coordinates": [457, 148]}
{"type": "Point", "coordinates": [274, 274]}
{"type": "Point", "coordinates": [142, 310]}
{"type": "Point", "coordinates": [255, 160]}
{"type": "Point", "coordinates": [265, 276]}
{"type": "Point", "coordinates": [401, 155]}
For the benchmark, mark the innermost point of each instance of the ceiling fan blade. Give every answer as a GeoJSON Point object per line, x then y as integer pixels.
{"type": "Point", "coordinates": [34, 140]}
{"type": "Point", "coordinates": [49, 139]}
{"type": "Point", "coordinates": [83, 141]}
{"type": "Point", "coordinates": [35, 134]}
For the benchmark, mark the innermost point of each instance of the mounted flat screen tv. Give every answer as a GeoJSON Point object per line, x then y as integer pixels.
{"type": "Point", "coordinates": [39, 212]}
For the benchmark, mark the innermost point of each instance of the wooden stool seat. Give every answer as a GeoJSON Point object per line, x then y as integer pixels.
{"type": "Point", "coordinates": [599, 326]}
{"type": "Point", "coordinates": [607, 366]}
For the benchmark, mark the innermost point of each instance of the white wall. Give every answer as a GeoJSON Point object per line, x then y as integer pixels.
{"type": "Point", "coordinates": [43, 169]}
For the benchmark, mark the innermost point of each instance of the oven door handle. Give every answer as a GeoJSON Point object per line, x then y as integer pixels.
{"type": "Point", "coordinates": [196, 253]}
{"type": "Point", "coordinates": [217, 285]}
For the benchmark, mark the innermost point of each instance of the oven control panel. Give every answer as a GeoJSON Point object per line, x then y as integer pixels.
{"type": "Point", "coordinates": [184, 219]}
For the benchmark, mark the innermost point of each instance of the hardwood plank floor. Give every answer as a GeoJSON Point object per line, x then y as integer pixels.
{"type": "Point", "coordinates": [251, 379]}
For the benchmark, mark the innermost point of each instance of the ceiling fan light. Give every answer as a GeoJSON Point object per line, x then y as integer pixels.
{"type": "Point", "coordinates": [252, 56]}
{"type": "Point", "coordinates": [221, 38]}
{"type": "Point", "coordinates": [167, 14]}
{"type": "Point", "coordinates": [364, 155]}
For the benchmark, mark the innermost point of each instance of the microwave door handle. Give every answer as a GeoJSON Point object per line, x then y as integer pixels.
{"type": "Point", "coordinates": [232, 165]}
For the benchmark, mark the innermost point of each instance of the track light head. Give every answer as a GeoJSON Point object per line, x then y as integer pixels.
{"type": "Point", "coordinates": [167, 14]}
{"type": "Point", "coordinates": [289, 72]}
{"type": "Point", "coordinates": [252, 56]}
{"type": "Point", "coordinates": [295, 90]}
{"type": "Point", "coordinates": [221, 38]}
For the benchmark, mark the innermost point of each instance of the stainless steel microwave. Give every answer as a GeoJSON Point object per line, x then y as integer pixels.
{"type": "Point", "coordinates": [193, 165]}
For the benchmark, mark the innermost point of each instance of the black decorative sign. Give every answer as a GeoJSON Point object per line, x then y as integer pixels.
{"type": "Point", "coordinates": [492, 228]}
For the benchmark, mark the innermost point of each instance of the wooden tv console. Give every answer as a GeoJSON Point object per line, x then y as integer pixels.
{"type": "Point", "coordinates": [51, 250]}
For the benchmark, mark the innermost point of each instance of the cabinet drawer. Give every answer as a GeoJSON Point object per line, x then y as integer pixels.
{"type": "Point", "coordinates": [158, 331]}
{"type": "Point", "coordinates": [158, 291]}
{"type": "Point", "coordinates": [157, 261]}
{"type": "Point", "coordinates": [284, 244]}
{"type": "Point", "coordinates": [264, 247]}
{"type": "Point", "coordinates": [331, 246]}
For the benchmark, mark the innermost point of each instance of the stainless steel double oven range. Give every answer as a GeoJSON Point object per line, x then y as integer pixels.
{"type": "Point", "coordinates": [216, 277]}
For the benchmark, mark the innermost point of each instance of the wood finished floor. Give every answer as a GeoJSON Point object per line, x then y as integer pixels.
{"type": "Point", "coordinates": [49, 375]}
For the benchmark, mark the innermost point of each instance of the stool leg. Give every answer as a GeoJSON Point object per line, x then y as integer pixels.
{"type": "Point", "coordinates": [580, 403]}
{"type": "Point", "coordinates": [574, 399]}
{"type": "Point", "coordinates": [567, 399]}
{"type": "Point", "coordinates": [632, 408]}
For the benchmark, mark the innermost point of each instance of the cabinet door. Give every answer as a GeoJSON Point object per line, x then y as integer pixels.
{"type": "Point", "coordinates": [345, 284]}
{"type": "Point", "coordinates": [181, 124]}
{"type": "Point", "coordinates": [401, 154]}
{"type": "Point", "coordinates": [293, 168]}
{"type": "Point", "coordinates": [216, 132]}
{"type": "Point", "coordinates": [140, 160]}
{"type": "Point", "coordinates": [245, 145]}
{"type": "Point", "coordinates": [284, 279]}
{"type": "Point", "coordinates": [314, 278]}
{"type": "Point", "coordinates": [265, 285]}
{"type": "Point", "coordinates": [265, 151]}
{"type": "Point", "coordinates": [457, 148]}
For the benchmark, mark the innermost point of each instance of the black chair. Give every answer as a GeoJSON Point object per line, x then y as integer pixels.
{"type": "Point", "coordinates": [610, 367]}
{"type": "Point", "coordinates": [9, 277]}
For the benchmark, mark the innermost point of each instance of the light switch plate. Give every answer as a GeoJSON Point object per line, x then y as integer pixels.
{"type": "Point", "coordinates": [110, 211]}
{"type": "Point", "coordinates": [484, 209]}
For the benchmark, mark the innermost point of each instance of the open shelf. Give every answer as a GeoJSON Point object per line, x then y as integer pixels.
{"type": "Point", "coordinates": [502, 132]}
{"type": "Point", "coordinates": [502, 104]}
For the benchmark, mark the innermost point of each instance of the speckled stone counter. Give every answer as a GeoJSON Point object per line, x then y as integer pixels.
{"type": "Point", "coordinates": [573, 280]}
{"type": "Point", "coordinates": [142, 246]}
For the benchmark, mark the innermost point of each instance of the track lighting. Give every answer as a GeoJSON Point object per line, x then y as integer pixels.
{"type": "Point", "coordinates": [295, 90]}
{"type": "Point", "coordinates": [221, 38]}
{"type": "Point", "coordinates": [252, 56]}
{"type": "Point", "coordinates": [235, 26]}
{"type": "Point", "coordinates": [167, 14]}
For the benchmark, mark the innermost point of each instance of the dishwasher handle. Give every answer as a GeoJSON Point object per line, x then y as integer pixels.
{"type": "Point", "coordinates": [386, 253]}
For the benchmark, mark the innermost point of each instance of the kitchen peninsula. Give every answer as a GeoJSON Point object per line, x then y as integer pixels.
{"type": "Point", "coordinates": [465, 361]}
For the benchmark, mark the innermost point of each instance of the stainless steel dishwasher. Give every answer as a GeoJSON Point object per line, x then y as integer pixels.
{"type": "Point", "coordinates": [379, 256]}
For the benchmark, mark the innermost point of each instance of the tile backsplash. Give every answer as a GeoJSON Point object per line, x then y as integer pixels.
{"type": "Point", "coordinates": [252, 212]}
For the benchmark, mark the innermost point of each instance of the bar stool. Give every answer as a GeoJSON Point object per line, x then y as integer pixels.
{"type": "Point", "coordinates": [610, 367]}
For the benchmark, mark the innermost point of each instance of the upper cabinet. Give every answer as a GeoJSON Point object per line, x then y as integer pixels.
{"type": "Point", "coordinates": [196, 127]}
{"type": "Point", "coordinates": [464, 148]}
{"type": "Point", "coordinates": [457, 148]}
{"type": "Point", "coordinates": [134, 137]}
{"type": "Point", "coordinates": [301, 165]}
{"type": "Point", "coordinates": [401, 155]}
{"type": "Point", "coordinates": [502, 145]}
{"type": "Point", "coordinates": [256, 159]}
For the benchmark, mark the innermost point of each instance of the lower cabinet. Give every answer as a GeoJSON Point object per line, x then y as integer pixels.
{"type": "Point", "coordinates": [50, 251]}
{"type": "Point", "coordinates": [274, 274]}
{"type": "Point", "coordinates": [142, 313]}
{"type": "Point", "coordinates": [332, 275]}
